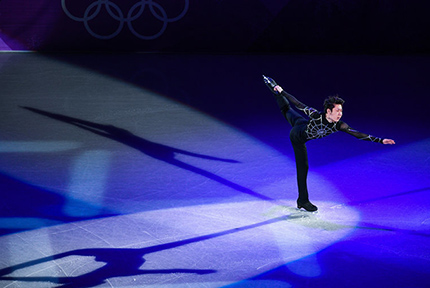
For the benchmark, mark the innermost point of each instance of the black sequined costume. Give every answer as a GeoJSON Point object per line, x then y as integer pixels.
{"type": "Point", "coordinates": [317, 125]}
{"type": "Point", "coordinates": [303, 130]}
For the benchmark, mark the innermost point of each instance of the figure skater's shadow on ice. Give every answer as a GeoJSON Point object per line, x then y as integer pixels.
{"type": "Point", "coordinates": [152, 149]}
{"type": "Point", "coordinates": [119, 262]}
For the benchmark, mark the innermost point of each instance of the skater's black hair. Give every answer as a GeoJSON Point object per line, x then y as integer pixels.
{"type": "Point", "coordinates": [330, 101]}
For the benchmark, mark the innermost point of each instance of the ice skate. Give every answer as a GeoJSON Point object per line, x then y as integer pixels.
{"type": "Point", "coordinates": [270, 83]}
{"type": "Point", "coordinates": [308, 206]}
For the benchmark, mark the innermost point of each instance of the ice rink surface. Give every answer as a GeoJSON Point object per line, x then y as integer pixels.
{"type": "Point", "coordinates": [152, 170]}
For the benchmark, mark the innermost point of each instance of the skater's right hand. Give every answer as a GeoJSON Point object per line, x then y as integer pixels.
{"type": "Point", "coordinates": [388, 141]}
{"type": "Point", "coordinates": [278, 89]}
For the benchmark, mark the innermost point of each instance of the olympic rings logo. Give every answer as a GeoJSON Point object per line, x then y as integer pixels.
{"type": "Point", "coordinates": [135, 12]}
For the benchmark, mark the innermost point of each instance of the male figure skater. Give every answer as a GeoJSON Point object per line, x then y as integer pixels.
{"type": "Point", "coordinates": [319, 124]}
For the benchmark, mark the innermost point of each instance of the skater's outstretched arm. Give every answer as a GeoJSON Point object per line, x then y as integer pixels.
{"type": "Point", "coordinates": [363, 136]}
{"type": "Point", "coordinates": [284, 98]}
{"type": "Point", "coordinates": [299, 105]}
{"type": "Point", "coordinates": [290, 97]}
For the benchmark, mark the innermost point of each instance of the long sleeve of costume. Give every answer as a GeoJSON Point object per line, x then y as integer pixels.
{"type": "Point", "coordinates": [317, 125]}
{"type": "Point", "coordinates": [293, 100]}
{"type": "Point", "coordinates": [284, 99]}
{"type": "Point", "coordinates": [362, 136]}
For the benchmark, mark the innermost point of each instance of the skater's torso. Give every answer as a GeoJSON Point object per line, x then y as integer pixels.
{"type": "Point", "coordinates": [318, 127]}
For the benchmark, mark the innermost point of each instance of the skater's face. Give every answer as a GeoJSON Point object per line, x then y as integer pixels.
{"type": "Point", "coordinates": [335, 114]}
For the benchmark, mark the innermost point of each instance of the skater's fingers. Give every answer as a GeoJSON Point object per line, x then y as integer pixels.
{"type": "Point", "coordinates": [388, 141]}
{"type": "Point", "coordinates": [278, 88]}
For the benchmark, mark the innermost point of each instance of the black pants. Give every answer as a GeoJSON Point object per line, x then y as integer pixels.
{"type": "Point", "coordinates": [298, 139]}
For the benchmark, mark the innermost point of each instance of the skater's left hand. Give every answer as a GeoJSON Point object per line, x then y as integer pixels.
{"type": "Point", "coordinates": [388, 141]}
{"type": "Point", "coordinates": [278, 89]}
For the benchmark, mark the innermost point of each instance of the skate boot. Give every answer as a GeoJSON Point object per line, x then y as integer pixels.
{"type": "Point", "coordinates": [270, 83]}
{"type": "Point", "coordinates": [308, 206]}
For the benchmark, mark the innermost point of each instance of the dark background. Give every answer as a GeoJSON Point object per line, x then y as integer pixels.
{"type": "Point", "coordinates": [238, 26]}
